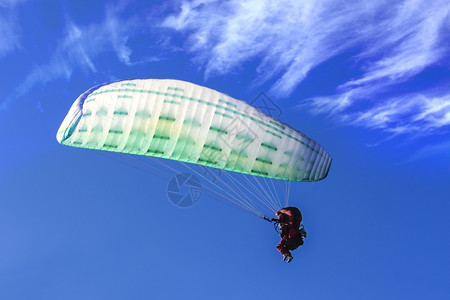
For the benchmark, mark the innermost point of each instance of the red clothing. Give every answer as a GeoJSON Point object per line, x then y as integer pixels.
{"type": "Point", "coordinates": [286, 241]}
{"type": "Point", "coordinates": [289, 232]}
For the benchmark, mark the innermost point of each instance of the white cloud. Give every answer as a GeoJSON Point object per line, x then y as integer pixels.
{"type": "Point", "coordinates": [330, 105]}
{"type": "Point", "coordinates": [414, 114]}
{"type": "Point", "coordinates": [79, 48]}
{"type": "Point", "coordinates": [82, 45]}
{"type": "Point", "coordinates": [408, 42]}
{"type": "Point", "coordinates": [431, 150]}
{"type": "Point", "coordinates": [289, 36]}
{"type": "Point", "coordinates": [395, 42]}
{"type": "Point", "coordinates": [10, 33]}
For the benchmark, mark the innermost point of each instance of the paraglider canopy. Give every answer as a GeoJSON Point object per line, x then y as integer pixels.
{"type": "Point", "coordinates": [188, 123]}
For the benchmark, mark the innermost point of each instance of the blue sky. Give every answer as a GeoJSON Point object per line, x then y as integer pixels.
{"type": "Point", "coordinates": [368, 80]}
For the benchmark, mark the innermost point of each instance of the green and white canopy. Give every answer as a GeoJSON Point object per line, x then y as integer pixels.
{"type": "Point", "coordinates": [186, 122]}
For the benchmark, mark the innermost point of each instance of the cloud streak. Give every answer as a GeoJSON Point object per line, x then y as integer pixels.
{"type": "Point", "coordinates": [416, 114]}
{"type": "Point", "coordinates": [289, 37]}
{"type": "Point", "coordinates": [432, 150]}
{"type": "Point", "coordinates": [10, 33]}
{"type": "Point", "coordinates": [394, 43]}
{"type": "Point", "coordinates": [78, 49]}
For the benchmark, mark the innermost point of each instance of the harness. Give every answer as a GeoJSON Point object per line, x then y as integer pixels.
{"type": "Point", "coordinates": [276, 226]}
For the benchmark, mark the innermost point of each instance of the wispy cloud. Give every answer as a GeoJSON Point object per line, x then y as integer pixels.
{"type": "Point", "coordinates": [78, 49]}
{"type": "Point", "coordinates": [289, 37]}
{"type": "Point", "coordinates": [83, 44]}
{"type": "Point", "coordinates": [431, 150]}
{"type": "Point", "coordinates": [417, 114]}
{"type": "Point", "coordinates": [394, 42]}
{"type": "Point", "coordinates": [10, 33]}
{"type": "Point", "coordinates": [405, 44]}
